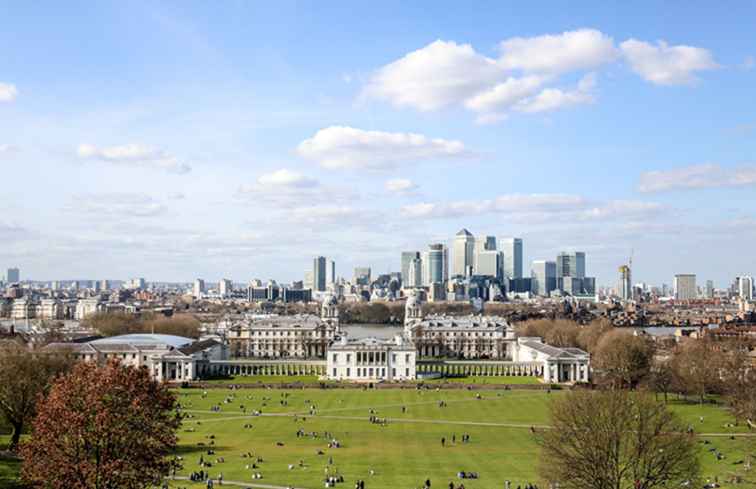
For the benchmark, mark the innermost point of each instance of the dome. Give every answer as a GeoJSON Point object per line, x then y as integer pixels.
{"type": "Point", "coordinates": [146, 339]}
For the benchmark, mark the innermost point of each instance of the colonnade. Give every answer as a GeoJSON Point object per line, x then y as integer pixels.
{"type": "Point", "coordinates": [248, 368]}
{"type": "Point", "coordinates": [483, 369]}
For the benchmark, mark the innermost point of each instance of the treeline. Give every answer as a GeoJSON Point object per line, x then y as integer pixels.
{"type": "Point", "coordinates": [118, 323]}
{"type": "Point", "coordinates": [624, 360]}
{"type": "Point", "coordinates": [371, 312]}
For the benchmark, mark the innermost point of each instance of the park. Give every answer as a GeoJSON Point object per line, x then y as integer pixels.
{"type": "Point", "coordinates": [230, 429]}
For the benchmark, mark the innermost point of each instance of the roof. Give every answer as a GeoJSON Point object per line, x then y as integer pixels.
{"type": "Point", "coordinates": [146, 339]}
{"type": "Point", "coordinates": [371, 343]}
{"type": "Point", "coordinates": [553, 351]}
{"type": "Point", "coordinates": [464, 232]}
{"type": "Point", "coordinates": [199, 346]}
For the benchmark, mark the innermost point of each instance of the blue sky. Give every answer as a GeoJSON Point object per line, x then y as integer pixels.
{"type": "Point", "coordinates": [238, 139]}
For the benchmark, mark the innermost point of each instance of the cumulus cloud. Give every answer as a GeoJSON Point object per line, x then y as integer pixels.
{"type": "Point", "coordinates": [440, 74]}
{"type": "Point", "coordinates": [285, 178]}
{"type": "Point", "coordinates": [524, 75]}
{"type": "Point", "coordinates": [533, 207]}
{"type": "Point", "coordinates": [697, 176]}
{"type": "Point", "coordinates": [8, 92]}
{"type": "Point", "coordinates": [134, 155]}
{"type": "Point", "coordinates": [663, 64]}
{"type": "Point", "coordinates": [554, 98]}
{"type": "Point", "coordinates": [400, 185]}
{"type": "Point", "coordinates": [339, 147]}
{"type": "Point", "coordinates": [116, 205]}
{"type": "Point", "coordinates": [558, 53]}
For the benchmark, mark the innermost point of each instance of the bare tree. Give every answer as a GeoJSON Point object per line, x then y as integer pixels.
{"type": "Point", "coordinates": [616, 440]}
{"type": "Point", "coordinates": [623, 360]}
{"type": "Point", "coordinates": [24, 377]}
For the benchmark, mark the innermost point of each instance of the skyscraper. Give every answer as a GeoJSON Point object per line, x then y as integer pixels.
{"type": "Point", "coordinates": [13, 276]}
{"type": "Point", "coordinates": [685, 286]}
{"type": "Point", "coordinates": [512, 249]}
{"type": "Point", "coordinates": [543, 277]}
{"type": "Point", "coordinates": [436, 264]}
{"type": "Point", "coordinates": [331, 273]}
{"type": "Point", "coordinates": [463, 251]}
{"type": "Point", "coordinates": [625, 289]}
{"type": "Point", "coordinates": [489, 263]}
{"type": "Point", "coordinates": [482, 244]}
{"type": "Point", "coordinates": [199, 288]}
{"type": "Point", "coordinates": [415, 273]}
{"type": "Point", "coordinates": [407, 257]}
{"type": "Point", "coordinates": [225, 286]}
{"type": "Point", "coordinates": [571, 264]}
{"type": "Point", "coordinates": [710, 289]}
{"type": "Point", "coordinates": [745, 288]}
{"type": "Point", "coordinates": [319, 274]}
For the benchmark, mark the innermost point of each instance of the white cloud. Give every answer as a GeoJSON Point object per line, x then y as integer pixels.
{"type": "Point", "coordinates": [667, 65]}
{"type": "Point", "coordinates": [8, 148]}
{"type": "Point", "coordinates": [339, 147]}
{"type": "Point", "coordinates": [438, 75]}
{"type": "Point", "coordinates": [697, 176]}
{"type": "Point", "coordinates": [134, 155]}
{"type": "Point", "coordinates": [554, 99]}
{"type": "Point", "coordinates": [505, 95]}
{"type": "Point", "coordinates": [116, 205]}
{"type": "Point", "coordinates": [748, 63]}
{"type": "Point", "coordinates": [531, 208]}
{"type": "Point", "coordinates": [400, 185]}
{"type": "Point", "coordinates": [558, 53]}
{"type": "Point", "coordinates": [8, 92]}
{"type": "Point", "coordinates": [286, 178]}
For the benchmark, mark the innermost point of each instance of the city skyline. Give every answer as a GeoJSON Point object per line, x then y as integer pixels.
{"type": "Point", "coordinates": [170, 142]}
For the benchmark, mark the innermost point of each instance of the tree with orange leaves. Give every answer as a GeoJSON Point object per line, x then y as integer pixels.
{"type": "Point", "coordinates": [102, 427]}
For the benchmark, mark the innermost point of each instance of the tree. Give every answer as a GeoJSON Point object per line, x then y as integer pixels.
{"type": "Point", "coordinates": [590, 335]}
{"type": "Point", "coordinates": [616, 440]}
{"type": "Point", "coordinates": [102, 427]}
{"type": "Point", "coordinates": [622, 359]}
{"type": "Point", "coordinates": [24, 375]}
{"type": "Point", "coordinates": [559, 332]}
{"type": "Point", "coordinates": [662, 378]}
{"type": "Point", "coordinates": [697, 368]}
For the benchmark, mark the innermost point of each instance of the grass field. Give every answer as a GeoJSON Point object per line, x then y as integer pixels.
{"type": "Point", "coordinates": [313, 379]}
{"type": "Point", "coordinates": [408, 449]}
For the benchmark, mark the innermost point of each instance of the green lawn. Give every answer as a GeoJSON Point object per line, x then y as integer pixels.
{"type": "Point", "coordinates": [484, 380]}
{"type": "Point", "coordinates": [406, 451]}
{"type": "Point", "coordinates": [9, 466]}
{"type": "Point", "coordinates": [265, 379]}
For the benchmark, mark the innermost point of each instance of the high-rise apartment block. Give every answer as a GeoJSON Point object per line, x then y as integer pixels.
{"type": "Point", "coordinates": [685, 287]}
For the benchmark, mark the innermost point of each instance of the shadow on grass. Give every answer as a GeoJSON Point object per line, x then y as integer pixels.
{"type": "Point", "coordinates": [10, 466]}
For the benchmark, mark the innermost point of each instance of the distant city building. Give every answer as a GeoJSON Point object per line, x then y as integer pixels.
{"type": "Point", "coordinates": [225, 287]}
{"type": "Point", "coordinates": [13, 276]}
{"type": "Point", "coordinates": [512, 249]}
{"type": "Point", "coordinates": [709, 289]}
{"type": "Point", "coordinates": [624, 289]}
{"type": "Point", "coordinates": [309, 280]}
{"type": "Point", "coordinates": [415, 274]}
{"type": "Point", "coordinates": [199, 288]}
{"type": "Point", "coordinates": [482, 244]}
{"type": "Point", "coordinates": [489, 264]}
{"type": "Point", "coordinates": [319, 273]}
{"type": "Point", "coordinates": [407, 257]}
{"type": "Point", "coordinates": [571, 264]}
{"type": "Point", "coordinates": [685, 286]}
{"type": "Point", "coordinates": [435, 265]}
{"type": "Point", "coordinates": [463, 253]}
{"type": "Point", "coordinates": [745, 288]}
{"type": "Point", "coordinates": [331, 274]}
{"type": "Point", "coordinates": [362, 276]}
{"type": "Point", "coordinates": [543, 277]}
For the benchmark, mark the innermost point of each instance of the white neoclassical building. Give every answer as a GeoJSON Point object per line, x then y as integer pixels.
{"type": "Point", "coordinates": [168, 358]}
{"type": "Point", "coordinates": [559, 365]}
{"type": "Point", "coordinates": [371, 360]}
{"type": "Point", "coordinates": [301, 336]}
{"type": "Point", "coordinates": [464, 337]}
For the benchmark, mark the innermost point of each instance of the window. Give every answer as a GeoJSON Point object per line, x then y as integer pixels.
{"type": "Point", "coordinates": [335, 357]}
{"type": "Point", "coordinates": [348, 372]}
{"type": "Point", "coordinates": [334, 372]}
{"type": "Point", "coordinates": [406, 372]}
{"type": "Point", "coordinates": [393, 372]}
{"type": "Point", "coordinates": [406, 358]}
{"type": "Point", "coordinates": [393, 358]}
{"type": "Point", "coordinates": [371, 372]}
{"type": "Point", "coordinates": [349, 358]}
